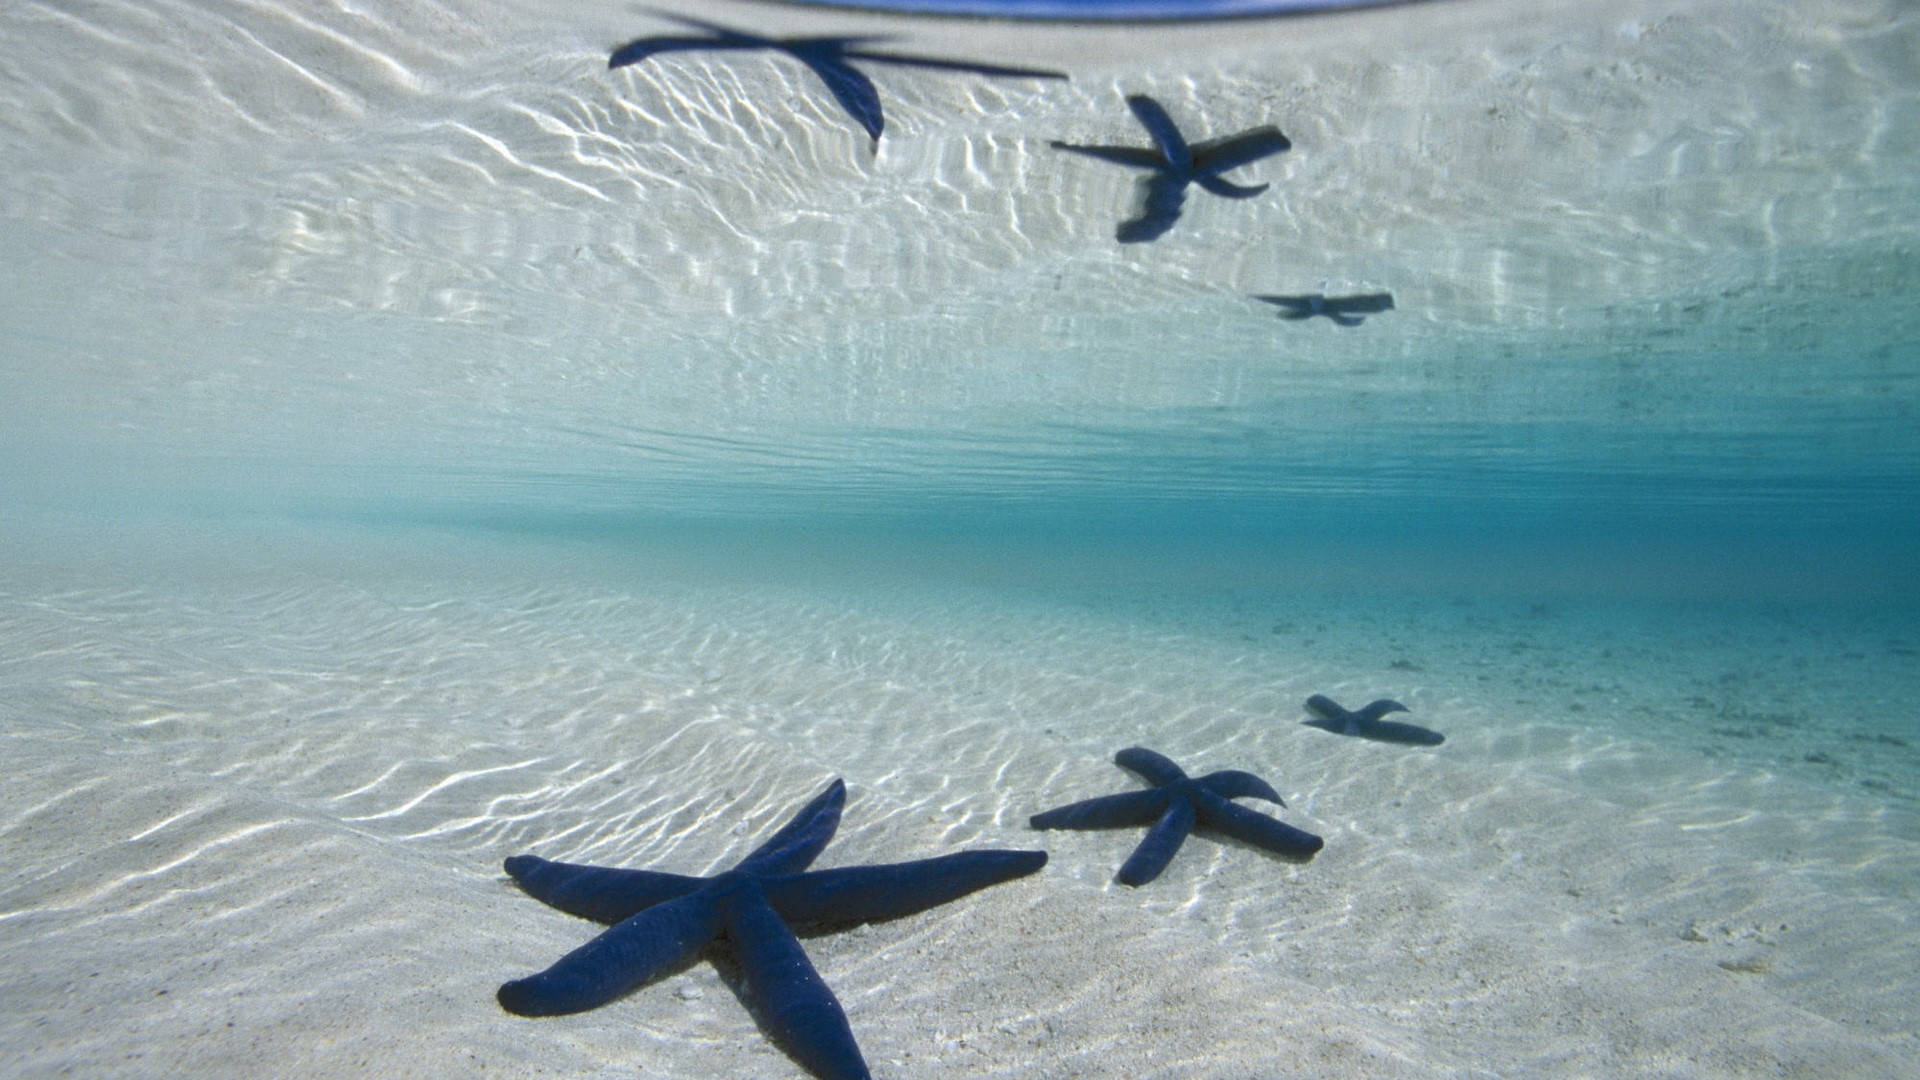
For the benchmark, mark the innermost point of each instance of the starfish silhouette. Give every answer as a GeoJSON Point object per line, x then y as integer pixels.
{"type": "Point", "coordinates": [660, 921]}
{"type": "Point", "coordinates": [1345, 310]}
{"type": "Point", "coordinates": [827, 57]}
{"type": "Point", "coordinates": [1175, 165]}
{"type": "Point", "coordinates": [1172, 806]}
{"type": "Point", "coordinates": [1366, 722]}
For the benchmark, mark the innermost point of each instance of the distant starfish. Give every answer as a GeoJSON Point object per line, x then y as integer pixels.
{"type": "Point", "coordinates": [1345, 310]}
{"type": "Point", "coordinates": [1172, 806]}
{"type": "Point", "coordinates": [827, 57]}
{"type": "Point", "coordinates": [1365, 722]}
{"type": "Point", "coordinates": [660, 921]}
{"type": "Point", "coordinates": [1175, 165]}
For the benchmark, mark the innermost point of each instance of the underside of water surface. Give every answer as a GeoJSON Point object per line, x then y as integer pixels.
{"type": "Point", "coordinates": [1651, 268]}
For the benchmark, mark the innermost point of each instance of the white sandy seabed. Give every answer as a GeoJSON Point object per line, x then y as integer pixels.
{"type": "Point", "coordinates": [259, 789]}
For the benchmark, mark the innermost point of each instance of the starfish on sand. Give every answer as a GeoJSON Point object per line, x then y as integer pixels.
{"type": "Point", "coordinates": [1365, 722]}
{"type": "Point", "coordinates": [660, 921]}
{"type": "Point", "coordinates": [1174, 804]}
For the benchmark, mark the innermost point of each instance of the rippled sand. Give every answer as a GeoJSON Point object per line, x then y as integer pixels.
{"type": "Point", "coordinates": [260, 783]}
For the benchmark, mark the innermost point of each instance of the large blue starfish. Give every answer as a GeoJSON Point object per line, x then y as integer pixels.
{"type": "Point", "coordinates": [660, 921]}
{"type": "Point", "coordinates": [1175, 165]}
{"type": "Point", "coordinates": [1172, 806]}
{"type": "Point", "coordinates": [827, 57]}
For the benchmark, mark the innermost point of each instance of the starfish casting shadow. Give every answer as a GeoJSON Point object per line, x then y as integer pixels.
{"type": "Point", "coordinates": [827, 57]}
{"type": "Point", "coordinates": [661, 921]}
{"type": "Point", "coordinates": [1365, 722]}
{"type": "Point", "coordinates": [1345, 310]}
{"type": "Point", "coordinates": [1173, 806]}
{"type": "Point", "coordinates": [1175, 165]}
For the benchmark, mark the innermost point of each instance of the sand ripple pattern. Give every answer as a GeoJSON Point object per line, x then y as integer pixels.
{"type": "Point", "coordinates": [260, 810]}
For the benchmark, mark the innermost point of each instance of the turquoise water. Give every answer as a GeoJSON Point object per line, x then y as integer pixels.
{"type": "Point", "coordinates": [419, 443]}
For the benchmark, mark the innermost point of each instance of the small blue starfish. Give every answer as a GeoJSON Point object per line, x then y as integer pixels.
{"type": "Point", "coordinates": [1365, 722]}
{"type": "Point", "coordinates": [1345, 310]}
{"type": "Point", "coordinates": [1172, 806]}
{"type": "Point", "coordinates": [827, 57]}
{"type": "Point", "coordinates": [1175, 165]}
{"type": "Point", "coordinates": [660, 921]}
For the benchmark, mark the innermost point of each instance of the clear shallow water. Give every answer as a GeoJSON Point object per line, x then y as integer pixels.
{"type": "Point", "coordinates": [422, 444]}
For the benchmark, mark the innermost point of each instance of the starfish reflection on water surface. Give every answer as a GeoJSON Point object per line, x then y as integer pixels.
{"type": "Point", "coordinates": [661, 921]}
{"type": "Point", "coordinates": [1172, 806]}
{"type": "Point", "coordinates": [826, 57]}
{"type": "Point", "coordinates": [1345, 310]}
{"type": "Point", "coordinates": [1175, 165]}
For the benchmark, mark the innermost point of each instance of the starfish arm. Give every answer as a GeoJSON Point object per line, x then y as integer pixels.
{"type": "Point", "coordinates": [792, 1002]}
{"type": "Point", "coordinates": [853, 90]}
{"type": "Point", "coordinates": [1234, 784]}
{"type": "Point", "coordinates": [1326, 708]}
{"type": "Point", "coordinates": [801, 839]}
{"type": "Point", "coordinates": [968, 66]}
{"type": "Point", "coordinates": [1106, 812]}
{"type": "Point", "coordinates": [1394, 731]}
{"type": "Point", "coordinates": [1329, 714]}
{"type": "Point", "coordinates": [1374, 710]}
{"type": "Point", "coordinates": [890, 891]}
{"type": "Point", "coordinates": [596, 892]}
{"type": "Point", "coordinates": [622, 957]}
{"type": "Point", "coordinates": [1297, 307]}
{"type": "Point", "coordinates": [1366, 303]}
{"type": "Point", "coordinates": [640, 49]}
{"type": "Point", "coordinates": [1162, 196]}
{"type": "Point", "coordinates": [1236, 150]}
{"type": "Point", "coordinates": [1160, 844]}
{"type": "Point", "coordinates": [1156, 768]}
{"type": "Point", "coordinates": [1131, 156]}
{"type": "Point", "coordinates": [1253, 827]}
{"type": "Point", "coordinates": [1227, 190]}
{"type": "Point", "coordinates": [1173, 146]}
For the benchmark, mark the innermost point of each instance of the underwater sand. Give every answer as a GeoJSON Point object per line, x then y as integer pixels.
{"type": "Point", "coordinates": [261, 782]}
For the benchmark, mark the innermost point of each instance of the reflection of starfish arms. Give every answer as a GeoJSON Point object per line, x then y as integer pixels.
{"type": "Point", "coordinates": [1175, 165]}
{"type": "Point", "coordinates": [827, 57]}
{"type": "Point", "coordinates": [661, 921]}
{"type": "Point", "coordinates": [1345, 310]}
{"type": "Point", "coordinates": [1174, 804]}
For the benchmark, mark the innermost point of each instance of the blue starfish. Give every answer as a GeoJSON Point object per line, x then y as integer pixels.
{"type": "Point", "coordinates": [1345, 310]}
{"type": "Point", "coordinates": [660, 921]}
{"type": "Point", "coordinates": [826, 57]}
{"type": "Point", "coordinates": [1366, 723]}
{"type": "Point", "coordinates": [1172, 806]}
{"type": "Point", "coordinates": [1175, 165]}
